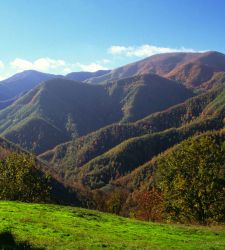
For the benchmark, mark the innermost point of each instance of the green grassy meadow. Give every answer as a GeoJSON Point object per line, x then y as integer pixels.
{"type": "Point", "coordinates": [61, 227]}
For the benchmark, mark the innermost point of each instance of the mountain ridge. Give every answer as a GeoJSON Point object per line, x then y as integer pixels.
{"type": "Point", "coordinates": [92, 160]}
{"type": "Point", "coordinates": [191, 69]}
{"type": "Point", "coordinates": [93, 144]}
{"type": "Point", "coordinates": [75, 109]}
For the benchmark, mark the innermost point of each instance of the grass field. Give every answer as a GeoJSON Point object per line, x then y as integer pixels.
{"type": "Point", "coordinates": [60, 227]}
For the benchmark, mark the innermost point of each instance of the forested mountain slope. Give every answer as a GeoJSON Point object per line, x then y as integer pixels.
{"type": "Point", "coordinates": [61, 109]}
{"type": "Point", "coordinates": [202, 113]}
{"type": "Point", "coordinates": [143, 176]}
{"type": "Point", "coordinates": [128, 155]}
{"type": "Point", "coordinates": [76, 153]}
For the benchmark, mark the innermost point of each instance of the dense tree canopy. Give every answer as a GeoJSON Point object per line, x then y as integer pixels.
{"type": "Point", "coordinates": [20, 180]}
{"type": "Point", "coordinates": [192, 178]}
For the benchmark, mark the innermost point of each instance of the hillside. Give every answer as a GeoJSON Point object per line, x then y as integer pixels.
{"type": "Point", "coordinates": [142, 176]}
{"type": "Point", "coordinates": [75, 154]}
{"type": "Point", "coordinates": [7, 147]}
{"type": "Point", "coordinates": [61, 109]}
{"type": "Point", "coordinates": [174, 180]}
{"type": "Point", "coordinates": [130, 154]}
{"type": "Point", "coordinates": [41, 226]}
{"type": "Point", "coordinates": [13, 154]}
{"type": "Point", "coordinates": [199, 71]}
{"type": "Point", "coordinates": [190, 69]}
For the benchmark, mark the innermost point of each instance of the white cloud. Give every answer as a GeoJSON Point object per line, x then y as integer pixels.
{"type": "Point", "coordinates": [5, 75]}
{"type": "Point", "coordinates": [67, 70]}
{"type": "Point", "coordinates": [58, 66]}
{"type": "Point", "coordinates": [49, 65]}
{"type": "Point", "coordinates": [143, 50]}
{"type": "Point", "coordinates": [103, 61]}
{"type": "Point", "coordinates": [92, 67]}
{"type": "Point", "coordinates": [42, 64]}
{"type": "Point", "coordinates": [2, 65]}
{"type": "Point", "coordinates": [115, 49]}
{"type": "Point", "coordinates": [2, 78]}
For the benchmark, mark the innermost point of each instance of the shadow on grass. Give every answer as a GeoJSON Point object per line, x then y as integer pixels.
{"type": "Point", "coordinates": [7, 242]}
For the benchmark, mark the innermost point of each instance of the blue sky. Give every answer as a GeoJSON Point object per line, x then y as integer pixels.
{"type": "Point", "coordinates": [60, 36]}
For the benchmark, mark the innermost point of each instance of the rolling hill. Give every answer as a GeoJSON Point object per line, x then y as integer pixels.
{"type": "Point", "coordinates": [61, 109]}
{"type": "Point", "coordinates": [191, 69]}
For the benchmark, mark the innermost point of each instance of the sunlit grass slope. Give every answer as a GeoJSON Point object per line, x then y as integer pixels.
{"type": "Point", "coordinates": [60, 227]}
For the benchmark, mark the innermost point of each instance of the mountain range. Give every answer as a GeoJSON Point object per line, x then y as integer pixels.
{"type": "Point", "coordinates": [116, 150]}
{"type": "Point", "coordinates": [105, 130]}
{"type": "Point", "coordinates": [17, 85]}
{"type": "Point", "coordinates": [191, 69]}
{"type": "Point", "coordinates": [60, 109]}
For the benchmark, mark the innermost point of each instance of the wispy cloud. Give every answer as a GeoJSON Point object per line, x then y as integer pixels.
{"type": "Point", "coordinates": [92, 67]}
{"type": "Point", "coordinates": [42, 64]}
{"type": "Point", "coordinates": [103, 61]}
{"type": "Point", "coordinates": [48, 65]}
{"type": "Point", "coordinates": [143, 50]}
